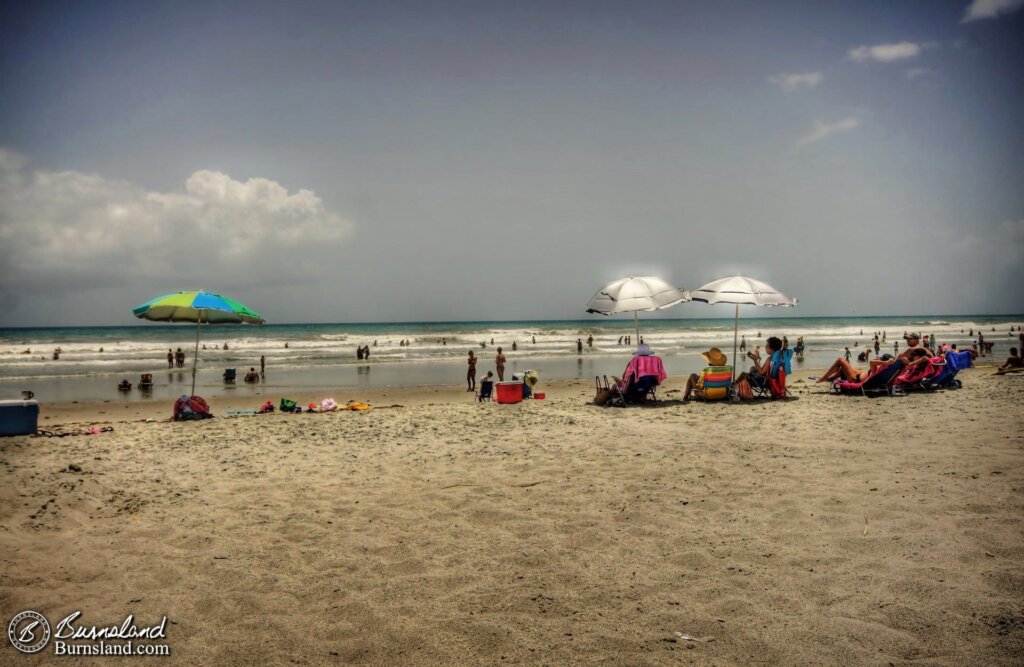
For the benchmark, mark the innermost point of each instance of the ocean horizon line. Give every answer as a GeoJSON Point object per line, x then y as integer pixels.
{"type": "Point", "coordinates": [603, 320]}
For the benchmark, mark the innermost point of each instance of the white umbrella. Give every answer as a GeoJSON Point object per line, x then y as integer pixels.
{"type": "Point", "coordinates": [740, 290]}
{"type": "Point", "coordinates": [633, 294]}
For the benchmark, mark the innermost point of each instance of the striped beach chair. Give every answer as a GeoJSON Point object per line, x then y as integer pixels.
{"type": "Point", "coordinates": [717, 382]}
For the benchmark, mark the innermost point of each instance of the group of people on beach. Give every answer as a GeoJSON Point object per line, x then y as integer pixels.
{"type": "Point", "coordinates": [175, 358]}
{"type": "Point", "coordinates": [915, 353]}
{"type": "Point", "coordinates": [471, 362]}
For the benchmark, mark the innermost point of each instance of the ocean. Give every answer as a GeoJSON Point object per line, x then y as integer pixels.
{"type": "Point", "coordinates": [311, 357]}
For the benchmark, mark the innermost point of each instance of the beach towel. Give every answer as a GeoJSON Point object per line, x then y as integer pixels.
{"type": "Point", "coordinates": [356, 405]}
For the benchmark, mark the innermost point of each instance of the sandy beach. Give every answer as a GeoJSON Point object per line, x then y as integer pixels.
{"type": "Point", "coordinates": [436, 530]}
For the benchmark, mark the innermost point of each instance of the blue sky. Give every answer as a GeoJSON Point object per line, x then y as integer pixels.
{"type": "Point", "coordinates": [446, 160]}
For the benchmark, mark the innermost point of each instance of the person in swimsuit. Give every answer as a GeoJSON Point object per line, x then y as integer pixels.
{"type": "Point", "coordinates": [1013, 363]}
{"type": "Point", "coordinates": [471, 372]}
{"type": "Point", "coordinates": [499, 364]}
{"type": "Point", "coordinates": [847, 371]}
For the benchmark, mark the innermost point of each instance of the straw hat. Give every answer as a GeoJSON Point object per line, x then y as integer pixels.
{"type": "Point", "coordinates": [714, 357]}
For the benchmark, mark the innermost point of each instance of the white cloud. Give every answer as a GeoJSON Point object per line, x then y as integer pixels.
{"type": "Point", "coordinates": [794, 81]}
{"type": "Point", "coordinates": [989, 9]}
{"type": "Point", "coordinates": [67, 230]}
{"type": "Point", "coordinates": [822, 130]}
{"type": "Point", "coordinates": [885, 53]}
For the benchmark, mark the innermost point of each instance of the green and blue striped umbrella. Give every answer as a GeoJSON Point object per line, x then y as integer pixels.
{"type": "Point", "coordinates": [199, 307]}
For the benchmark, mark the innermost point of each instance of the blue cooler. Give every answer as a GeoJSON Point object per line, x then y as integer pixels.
{"type": "Point", "coordinates": [19, 417]}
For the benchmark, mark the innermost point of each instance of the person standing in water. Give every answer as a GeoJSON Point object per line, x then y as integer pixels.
{"type": "Point", "coordinates": [590, 341]}
{"type": "Point", "coordinates": [471, 372]}
{"type": "Point", "coordinates": [170, 358]}
{"type": "Point", "coordinates": [263, 365]}
{"type": "Point", "coordinates": [499, 365]}
{"type": "Point", "coordinates": [579, 346]}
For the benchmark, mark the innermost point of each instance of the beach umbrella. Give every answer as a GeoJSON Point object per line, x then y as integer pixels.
{"type": "Point", "coordinates": [633, 294]}
{"type": "Point", "coordinates": [740, 290]}
{"type": "Point", "coordinates": [198, 307]}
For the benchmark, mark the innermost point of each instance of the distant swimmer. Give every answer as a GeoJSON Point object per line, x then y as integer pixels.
{"type": "Point", "coordinates": [170, 358]}
{"type": "Point", "coordinates": [590, 341]}
{"type": "Point", "coordinates": [515, 346]}
{"type": "Point", "coordinates": [534, 340]}
{"type": "Point", "coordinates": [579, 346]}
{"type": "Point", "coordinates": [225, 346]}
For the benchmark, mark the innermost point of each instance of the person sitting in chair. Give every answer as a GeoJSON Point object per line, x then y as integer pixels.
{"type": "Point", "coordinates": [124, 385]}
{"type": "Point", "coordinates": [759, 373]}
{"type": "Point", "coordinates": [695, 383]}
{"type": "Point", "coordinates": [643, 373]}
{"type": "Point", "coordinates": [252, 376]}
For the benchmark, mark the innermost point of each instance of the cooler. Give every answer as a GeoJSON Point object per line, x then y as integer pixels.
{"type": "Point", "coordinates": [19, 417]}
{"type": "Point", "coordinates": [508, 392]}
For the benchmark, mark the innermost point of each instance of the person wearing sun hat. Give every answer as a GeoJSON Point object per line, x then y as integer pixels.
{"type": "Point", "coordinates": [718, 364]}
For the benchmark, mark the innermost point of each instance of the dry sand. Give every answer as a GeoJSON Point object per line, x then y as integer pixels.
{"type": "Point", "coordinates": [825, 530]}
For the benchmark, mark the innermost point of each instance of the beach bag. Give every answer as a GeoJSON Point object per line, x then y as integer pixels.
{"type": "Point", "coordinates": [287, 405]}
{"type": "Point", "coordinates": [603, 392]}
{"type": "Point", "coordinates": [744, 392]}
{"type": "Point", "coordinates": [266, 407]}
{"type": "Point", "coordinates": [328, 405]}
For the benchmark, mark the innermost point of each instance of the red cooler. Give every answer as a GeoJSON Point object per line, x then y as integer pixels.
{"type": "Point", "coordinates": [508, 392]}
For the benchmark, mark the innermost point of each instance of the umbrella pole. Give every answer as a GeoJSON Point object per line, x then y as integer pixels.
{"type": "Point", "coordinates": [195, 355]}
{"type": "Point", "coordinates": [636, 322]}
{"type": "Point", "coordinates": [735, 330]}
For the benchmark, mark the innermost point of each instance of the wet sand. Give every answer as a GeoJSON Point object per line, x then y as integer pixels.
{"type": "Point", "coordinates": [825, 530]}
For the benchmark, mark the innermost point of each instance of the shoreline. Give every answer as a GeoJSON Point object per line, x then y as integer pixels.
{"type": "Point", "coordinates": [114, 411]}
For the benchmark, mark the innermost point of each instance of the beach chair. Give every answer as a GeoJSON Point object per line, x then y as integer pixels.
{"type": "Point", "coordinates": [916, 376]}
{"type": "Point", "coordinates": [641, 389]}
{"type": "Point", "coordinates": [146, 382]}
{"type": "Point", "coordinates": [486, 391]}
{"type": "Point", "coordinates": [955, 361]}
{"type": "Point", "coordinates": [229, 376]}
{"type": "Point", "coordinates": [717, 383]}
{"type": "Point", "coordinates": [876, 384]}
{"type": "Point", "coordinates": [774, 386]}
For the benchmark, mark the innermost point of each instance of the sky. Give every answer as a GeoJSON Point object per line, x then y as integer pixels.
{"type": "Point", "coordinates": [409, 161]}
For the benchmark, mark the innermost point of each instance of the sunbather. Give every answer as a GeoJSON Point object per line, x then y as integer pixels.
{"type": "Point", "coordinates": [1013, 363]}
{"type": "Point", "coordinates": [844, 370]}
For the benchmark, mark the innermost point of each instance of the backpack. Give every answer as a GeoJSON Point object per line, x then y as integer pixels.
{"type": "Point", "coordinates": [288, 405]}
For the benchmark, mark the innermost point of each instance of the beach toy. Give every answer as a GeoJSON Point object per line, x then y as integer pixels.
{"type": "Point", "coordinates": [539, 396]}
